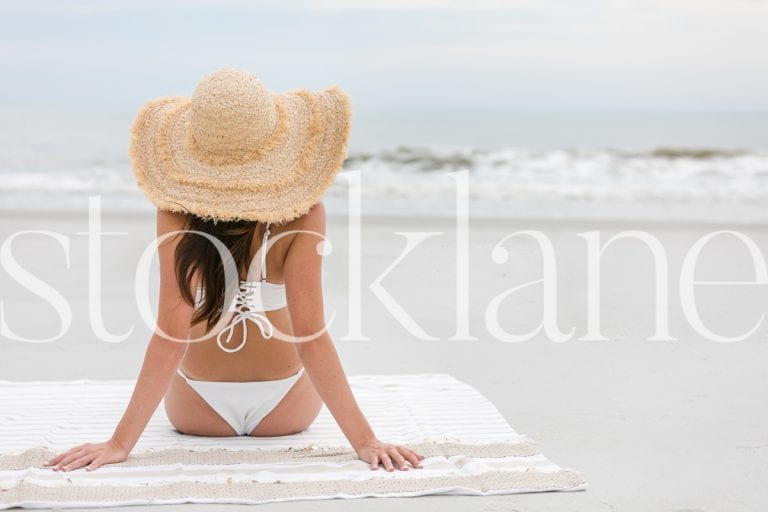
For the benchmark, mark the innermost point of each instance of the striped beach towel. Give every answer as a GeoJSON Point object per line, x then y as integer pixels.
{"type": "Point", "coordinates": [470, 449]}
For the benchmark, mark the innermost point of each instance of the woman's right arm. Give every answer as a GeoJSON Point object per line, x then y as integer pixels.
{"type": "Point", "coordinates": [161, 360]}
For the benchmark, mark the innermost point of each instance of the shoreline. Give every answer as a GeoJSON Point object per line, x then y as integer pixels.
{"type": "Point", "coordinates": [336, 216]}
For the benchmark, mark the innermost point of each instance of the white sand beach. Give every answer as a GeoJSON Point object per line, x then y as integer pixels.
{"type": "Point", "coordinates": [558, 125]}
{"type": "Point", "coordinates": [654, 425]}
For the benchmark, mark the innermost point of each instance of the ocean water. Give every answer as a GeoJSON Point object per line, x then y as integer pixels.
{"type": "Point", "coordinates": [50, 165]}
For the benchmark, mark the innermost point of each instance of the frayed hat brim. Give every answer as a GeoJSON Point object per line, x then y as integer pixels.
{"type": "Point", "coordinates": [275, 183]}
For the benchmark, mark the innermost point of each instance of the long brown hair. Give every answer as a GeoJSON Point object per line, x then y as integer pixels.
{"type": "Point", "coordinates": [196, 255]}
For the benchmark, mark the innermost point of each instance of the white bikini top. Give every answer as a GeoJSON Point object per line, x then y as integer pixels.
{"type": "Point", "coordinates": [252, 300]}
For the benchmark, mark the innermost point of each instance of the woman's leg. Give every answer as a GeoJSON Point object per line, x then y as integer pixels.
{"type": "Point", "coordinates": [295, 412]}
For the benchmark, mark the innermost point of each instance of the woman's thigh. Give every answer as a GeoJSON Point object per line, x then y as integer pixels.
{"type": "Point", "coordinates": [295, 412]}
{"type": "Point", "coordinates": [190, 414]}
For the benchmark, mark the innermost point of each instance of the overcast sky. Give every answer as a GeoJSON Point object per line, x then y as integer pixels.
{"type": "Point", "coordinates": [651, 54]}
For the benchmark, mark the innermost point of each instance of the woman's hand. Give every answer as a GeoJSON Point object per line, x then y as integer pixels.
{"type": "Point", "coordinates": [389, 455]}
{"type": "Point", "coordinates": [90, 455]}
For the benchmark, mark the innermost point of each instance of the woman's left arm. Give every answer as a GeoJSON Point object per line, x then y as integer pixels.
{"type": "Point", "coordinates": [319, 356]}
{"type": "Point", "coordinates": [321, 362]}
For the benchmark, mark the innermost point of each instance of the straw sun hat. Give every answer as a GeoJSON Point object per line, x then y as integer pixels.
{"type": "Point", "coordinates": [235, 150]}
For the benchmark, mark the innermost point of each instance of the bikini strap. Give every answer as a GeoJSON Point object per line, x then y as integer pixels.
{"type": "Point", "coordinates": [264, 252]}
{"type": "Point", "coordinates": [178, 370]}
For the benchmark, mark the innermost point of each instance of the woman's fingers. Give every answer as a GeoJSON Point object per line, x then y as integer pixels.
{"type": "Point", "coordinates": [392, 456]}
{"type": "Point", "coordinates": [65, 462]}
{"type": "Point", "coordinates": [90, 455]}
{"type": "Point", "coordinates": [95, 464]}
{"type": "Point", "coordinates": [69, 458]}
{"type": "Point", "coordinates": [55, 460]}
{"type": "Point", "coordinates": [398, 458]}
{"type": "Point", "coordinates": [58, 458]}
{"type": "Point", "coordinates": [411, 457]}
{"type": "Point", "coordinates": [79, 462]}
{"type": "Point", "coordinates": [418, 456]}
{"type": "Point", "coordinates": [387, 462]}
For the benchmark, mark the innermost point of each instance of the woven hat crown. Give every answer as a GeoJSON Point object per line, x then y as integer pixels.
{"type": "Point", "coordinates": [236, 150]}
{"type": "Point", "coordinates": [231, 110]}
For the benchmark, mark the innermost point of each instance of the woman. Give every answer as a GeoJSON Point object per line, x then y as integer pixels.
{"type": "Point", "coordinates": [237, 173]}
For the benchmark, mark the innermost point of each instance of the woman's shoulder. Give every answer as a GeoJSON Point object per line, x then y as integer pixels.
{"type": "Point", "coordinates": [168, 221]}
{"type": "Point", "coordinates": [313, 220]}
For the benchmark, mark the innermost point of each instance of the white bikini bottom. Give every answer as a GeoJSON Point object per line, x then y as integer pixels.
{"type": "Point", "coordinates": [243, 404]}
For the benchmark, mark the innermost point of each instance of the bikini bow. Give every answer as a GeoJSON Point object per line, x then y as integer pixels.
{"type": "Point", "coordinates": [244, 313]}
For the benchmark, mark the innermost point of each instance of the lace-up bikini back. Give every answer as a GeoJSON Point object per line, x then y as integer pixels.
{"type": "Point", "coordinates": [252, 301]}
